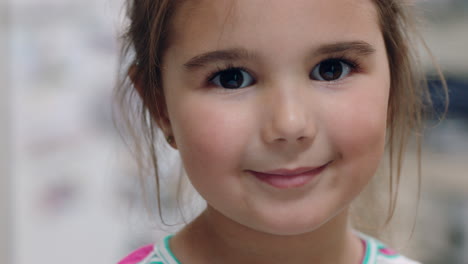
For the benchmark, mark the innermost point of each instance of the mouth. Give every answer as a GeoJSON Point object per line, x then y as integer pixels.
{"type": "Point", "coordinates": [287, 178]}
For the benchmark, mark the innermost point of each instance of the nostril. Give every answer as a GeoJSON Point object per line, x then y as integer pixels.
{"type": "Point", "coordinates": [301, 138]}
{"type": "Point", "coordinates": [281, 139]}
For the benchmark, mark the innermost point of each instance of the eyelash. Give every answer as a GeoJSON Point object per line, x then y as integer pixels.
{"type": "Point", "coordinates": [353, 63]}
{"type": "Point", "coordinates": [227, 67]}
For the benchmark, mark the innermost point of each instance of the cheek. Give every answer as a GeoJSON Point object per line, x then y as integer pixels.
{"type": "Point", "coordinates": [208, 131]}
{"type": "Point", "coordinates": [359, 124]}
{"type": "Point", "coordinates": [356, 131]}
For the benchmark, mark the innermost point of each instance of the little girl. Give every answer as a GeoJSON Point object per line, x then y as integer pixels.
{"type": "Point", "coordinates": [281, 111]}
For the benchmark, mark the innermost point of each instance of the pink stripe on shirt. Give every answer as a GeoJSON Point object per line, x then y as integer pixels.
{"type": "Point", "coordinates": [137, 255]}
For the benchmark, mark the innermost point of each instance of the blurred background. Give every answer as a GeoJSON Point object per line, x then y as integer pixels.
{"type": "Point", "coordinates": [68, 187]}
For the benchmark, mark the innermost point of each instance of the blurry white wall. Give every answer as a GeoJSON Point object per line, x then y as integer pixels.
{"type": "Point", "coordinates": [66, 198]}
{"type": "Point", "coordinates": [5, 194]}
{"type": "Point", "coordinates": [444, 29]}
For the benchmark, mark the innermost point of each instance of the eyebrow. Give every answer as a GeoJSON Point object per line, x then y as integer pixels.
{"type": "Point", "coordinates": [361, 48]}
{"type": "Point", "coordinates": [203, 59]}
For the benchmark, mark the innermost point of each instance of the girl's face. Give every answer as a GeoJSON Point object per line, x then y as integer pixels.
{"type": "Point", "coordinates": [256, 88]}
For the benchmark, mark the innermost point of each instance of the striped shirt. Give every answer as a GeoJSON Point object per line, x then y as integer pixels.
{"type": "Point", "coordinates": [375, 253]}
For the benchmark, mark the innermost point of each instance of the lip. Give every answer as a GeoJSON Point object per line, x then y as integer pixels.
{"type": "Point", "coordinates": [289, 178]}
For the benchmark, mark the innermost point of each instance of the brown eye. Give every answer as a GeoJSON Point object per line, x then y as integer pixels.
{"type": "Point", "coordinates": [232, 79]}
{"type": "Point", "coordinates": [330, 70]}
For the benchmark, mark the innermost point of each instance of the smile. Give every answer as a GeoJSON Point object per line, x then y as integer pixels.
{"type": "Point", "coordinates": [285, 178]}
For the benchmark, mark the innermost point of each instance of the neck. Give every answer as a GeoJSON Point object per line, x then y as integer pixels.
{"type": "Point", "coordinates": [213, 238]}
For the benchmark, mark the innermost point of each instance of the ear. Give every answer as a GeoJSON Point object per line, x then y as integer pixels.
{"type": "Point", "coordinates": [158, 111]}
{"type": "Point", "coordinates": [164, 124]}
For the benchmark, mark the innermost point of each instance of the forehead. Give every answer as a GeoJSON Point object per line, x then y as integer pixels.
{"type": "Point", "coordinates": [208, 24]}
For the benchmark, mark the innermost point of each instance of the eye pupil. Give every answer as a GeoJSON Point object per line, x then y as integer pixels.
{"type": "Point", "coordinates": [331, 70]}
{"type": "Point", "coordinates": [231, 79]}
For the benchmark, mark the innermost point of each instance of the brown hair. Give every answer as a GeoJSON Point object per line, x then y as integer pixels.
{"type": "Point", "coordinates": [147, 37]}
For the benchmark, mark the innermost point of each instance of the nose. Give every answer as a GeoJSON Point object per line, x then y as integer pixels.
{"type": "Point", "coordinates": [290, 117]}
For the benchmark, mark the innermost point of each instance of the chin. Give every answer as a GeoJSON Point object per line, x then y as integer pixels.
{"type": "Point", "coordinates": [299, 224]}
{"type": "Point", "coordinates": [290, 226]}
